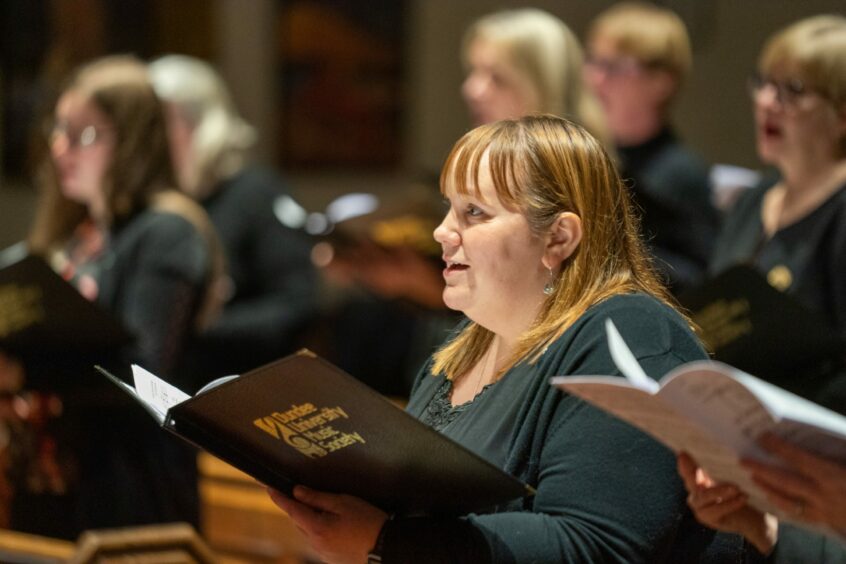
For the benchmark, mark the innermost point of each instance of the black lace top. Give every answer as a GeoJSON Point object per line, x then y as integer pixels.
{"type": "Point", "coordinates": [440, 412]}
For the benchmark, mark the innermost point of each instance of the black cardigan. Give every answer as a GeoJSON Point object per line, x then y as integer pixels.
{"type": "Point", "coordinates": [605, 491]}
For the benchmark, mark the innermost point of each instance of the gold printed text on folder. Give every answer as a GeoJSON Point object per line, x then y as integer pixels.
{"type": "Point", "coordinates": [309, 429]}
{"type": "Point", "coordinates": [20, 307]}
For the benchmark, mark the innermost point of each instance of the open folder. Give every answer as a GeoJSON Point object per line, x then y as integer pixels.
{"type": "Point", "coordinates": [712, 411]}
{"type": "Point", "coordinates": [302, 420]}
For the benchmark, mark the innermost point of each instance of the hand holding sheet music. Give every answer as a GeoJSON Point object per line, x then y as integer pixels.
{"type": "Point", "coordinates": [712, 411]}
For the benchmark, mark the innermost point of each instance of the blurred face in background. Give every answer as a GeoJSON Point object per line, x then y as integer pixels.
{"type": "Point", "coordinates": [794, 122]}
{"type": "Point", "coordinates": [81, 145]}
{"type": "Point", "coordinates": [494, 88]}
{"type": "Point", "coordinates": [625, 86]}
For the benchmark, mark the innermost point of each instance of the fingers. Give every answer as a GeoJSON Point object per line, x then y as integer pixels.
{"type": "Point", "coordinates": [304, 516]}
{"type": "Point", "coordinates": [782, 483]}
{"type": "Point", "coordinates": [802, 460]}
{"type": "Point", "coordinates": [717, 512]}
{"type": "Point", "coordinates": [687, 470]}
{"type": "Point", "coordinates": [328, 502]}
{"type": "Point", "coordinates": [703, 498]}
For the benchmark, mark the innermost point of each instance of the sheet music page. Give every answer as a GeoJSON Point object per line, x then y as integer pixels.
{"type": "Point", "coordinates": [625, 360]}
{"type": "Point", "coordinates": [157, 393]}
{"type": "Point", "coordinates": [668, 424]}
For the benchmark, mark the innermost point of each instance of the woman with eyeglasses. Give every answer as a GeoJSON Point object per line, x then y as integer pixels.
{"type": "Point", "coordinates": [639, 57]}
{"type": "Point", "coordinates": [111, 223]}
{"type": "Point", "coordinates": [793, 231]}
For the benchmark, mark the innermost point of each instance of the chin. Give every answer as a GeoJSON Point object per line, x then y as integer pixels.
{"type": "Point", "coordinates": [767, 153]}
{"type": "Point", "coordinates": [452, 301]}
{"type": "Point", "coordinates": [74, 194]}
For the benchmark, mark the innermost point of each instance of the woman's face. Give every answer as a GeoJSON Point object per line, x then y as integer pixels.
{"type": "Point", "coordinates": [623, 86]}
{"type": "Point", "coordinates": [494, 272]}
{"type": "Point", "coordinates": [494, 89]}
{"type": "Point", "coordinates": [81, 145]}
{"type": "Point", "coordinates": [793, 123]}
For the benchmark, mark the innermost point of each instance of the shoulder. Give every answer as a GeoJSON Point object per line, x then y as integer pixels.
{"type": "Point", "coordinates": [676, 160]}
{"type": "Point", "coordinates": [165, 238]}
{"type": "Point", "coordinates": [749, 202]}
{"type": "Point", "coordinates": [251, 183]}
{"type": "Point", "coordinates": [157, 225]}
{"type": "Point", "coordinates": [658, 336]}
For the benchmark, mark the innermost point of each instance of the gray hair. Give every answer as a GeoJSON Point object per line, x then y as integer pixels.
{"type": "Point", "coordinates": [221, 138]}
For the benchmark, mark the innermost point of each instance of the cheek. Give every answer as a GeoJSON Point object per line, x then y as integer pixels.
{"type": "Point", "coordinates": [97, 164]}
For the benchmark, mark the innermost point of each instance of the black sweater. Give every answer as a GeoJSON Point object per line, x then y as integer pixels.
{"type": "Point", "coordinates": [605, 491]}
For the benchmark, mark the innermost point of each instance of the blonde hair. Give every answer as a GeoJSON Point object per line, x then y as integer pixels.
{"type": "Point", "coordinates": [543, 166]}
{"type": "Point", "coordinates": [221, 139]}
{"type": "Point", "coordinates": [654, 36]}
{"type": "Point", "coordinates": [543, 48]}
{"type": "Point", "coordinates": [814, 48]}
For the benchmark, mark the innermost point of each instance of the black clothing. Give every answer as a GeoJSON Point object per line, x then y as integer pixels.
{"type": "Point", "coordinates": [126, 471]}
{"type": "Point", "coordinates": [797, 546]}
{"type": "Point", "coordinates": [813, 249]}
{"type": "Point", "coordinates": [670, 185]}
{"type": "Point", "coordinates": [813, 252]}
{"type": "Point", "coordinates": [605, 491]}
{"type": "Point", "coordinates": [274, 285]}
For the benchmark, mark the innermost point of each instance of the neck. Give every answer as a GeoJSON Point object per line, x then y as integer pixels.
{"type": "Point", "coordinates": [823, 174]}
{"type": "Point", "coordinates": [637, 127]}
{"type": "Point", "coordinates": [800, 192]}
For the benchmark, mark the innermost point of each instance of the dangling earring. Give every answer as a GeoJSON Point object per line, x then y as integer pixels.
{"type": "Point", "coordinates": [549, 287]}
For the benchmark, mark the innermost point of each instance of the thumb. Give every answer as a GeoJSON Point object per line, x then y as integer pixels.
{"type": "Point", "coordinates": [318, 500]}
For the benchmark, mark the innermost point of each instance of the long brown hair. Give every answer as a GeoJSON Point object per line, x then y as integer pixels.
{"type": "Point", "coordinates": [119, 87]}
{"type": "Point", "coordinates": [140, 174]}
{"type": "Point", "coordinates": [543, 166]}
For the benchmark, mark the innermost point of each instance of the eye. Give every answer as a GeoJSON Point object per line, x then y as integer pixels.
{"type": "Point", "coordinates": [794, 87]}
{"type": "Point", "coordinates": [473, 211]}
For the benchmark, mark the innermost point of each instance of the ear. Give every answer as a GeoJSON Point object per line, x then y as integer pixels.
{"type": "Point", "coordinates": [563, 238]}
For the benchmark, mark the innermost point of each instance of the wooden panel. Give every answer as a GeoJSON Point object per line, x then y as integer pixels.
{"type": "Point", "coordinates": [239, 520]}
{"type": "Point", "coordinates": [15, 547]}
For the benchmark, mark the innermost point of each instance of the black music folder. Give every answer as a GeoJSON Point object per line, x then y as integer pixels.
{"type": "Point", "coordinates": [302, 420]}
{"type": "Point", "coordinates": [748, 324]}
{"type": "Point", "coordinates": [42, 313]}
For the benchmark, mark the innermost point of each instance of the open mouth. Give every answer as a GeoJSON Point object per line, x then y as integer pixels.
{"type": "Point", "coordinates": [455, 267]}
{"type": "Point", "coordinates": [771, 131]}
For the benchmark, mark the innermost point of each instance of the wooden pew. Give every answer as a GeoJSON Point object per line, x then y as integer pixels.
{"type": "Point", "coordinates": [241, 523]}
{"type": "Point", "coordinates": [22, 548]}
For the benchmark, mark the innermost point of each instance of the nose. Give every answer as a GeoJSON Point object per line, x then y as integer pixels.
{"type": "Point", "coordinates": [59, 144]}
{"type": "Point", "coordinates": [594, 75]}
{"type": "Point", "coordinates": [446, 233]}
{"type": "Point", "coordinates": [767, 96]}
{"type": "Point", "coordinates": [474, 86]}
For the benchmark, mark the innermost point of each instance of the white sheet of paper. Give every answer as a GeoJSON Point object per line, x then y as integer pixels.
{"type": "Point", "coordinates": [626, 361]}
{"type": "Point", "coordinates": [158, 394]}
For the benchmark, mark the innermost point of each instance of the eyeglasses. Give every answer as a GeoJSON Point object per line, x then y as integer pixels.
{"type": "Point", "coordinates": [618, 67]}
{"type": "Point", "coordinates": [788, 92]}
{"type": "Point", "coordinates": [77, 137]}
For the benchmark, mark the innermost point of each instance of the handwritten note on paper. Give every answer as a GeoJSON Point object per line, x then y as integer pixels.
{"type": "Point", "coordinates": [157, 393]}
